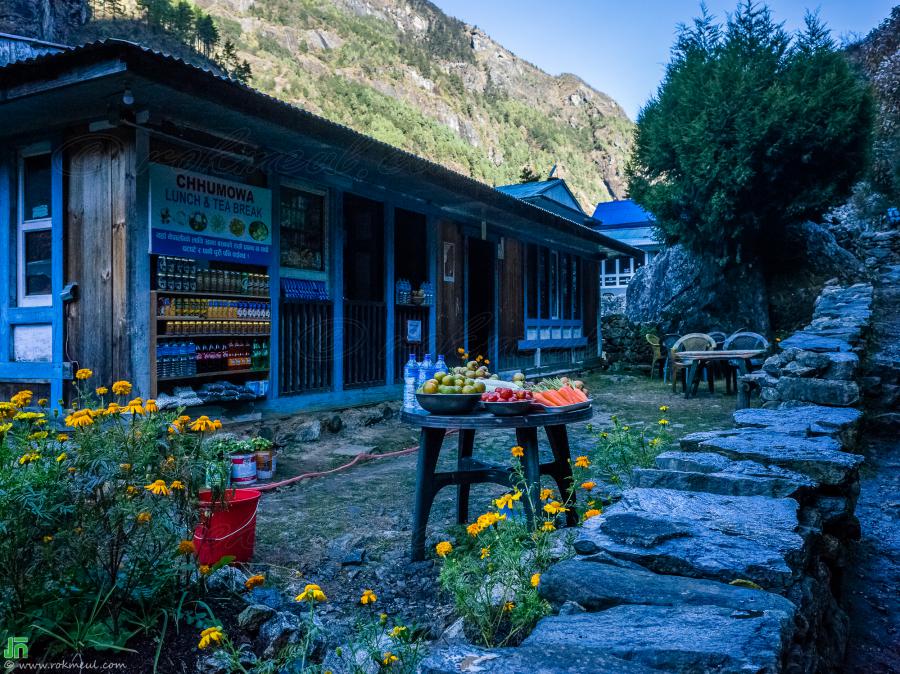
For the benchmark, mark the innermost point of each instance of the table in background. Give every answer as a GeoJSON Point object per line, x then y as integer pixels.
{"type": "Point", "coordinates": [699, 359]}
{"type": "Point", "coordinates": [471, 471]}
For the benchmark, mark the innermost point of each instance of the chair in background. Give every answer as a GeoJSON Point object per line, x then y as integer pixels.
{"type": "Point", "coordinates": [720, 339]}
{"type": "Point", "coordinates": [658, 360]}
{"type": "Point", "coordinates": [745, 341]}
{"type": "Point", "coordinates": [668, 341]}
{"type": "Point", "coordinates": [694, 341]}
{"type": "Point", "coordinates": [719, 368]}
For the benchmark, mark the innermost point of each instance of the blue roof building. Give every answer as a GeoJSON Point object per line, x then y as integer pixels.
{"type": "Point", "coordinates": [627, 222]}
{"type": "Point", "coordinates": [552, 195]}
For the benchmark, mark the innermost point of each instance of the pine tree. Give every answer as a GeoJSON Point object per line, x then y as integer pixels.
{"type": "Point", "coordinates": [528, 175]}
{"type": "Point", "coordinates": [207, 33]}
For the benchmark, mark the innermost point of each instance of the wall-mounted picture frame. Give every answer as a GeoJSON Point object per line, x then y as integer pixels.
{"type": "Point", "coordinates": [414, 331]}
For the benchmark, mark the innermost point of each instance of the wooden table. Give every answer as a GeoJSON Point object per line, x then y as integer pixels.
{"type": "Point", "coordinates": [698, 359]}
{"type": "Point", "coordinates": [471, 471]}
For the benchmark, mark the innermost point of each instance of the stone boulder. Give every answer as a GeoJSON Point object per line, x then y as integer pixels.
{"type": "Point", "coordinates": [546, 659]}
{"type": "Point", "coordinates": [836, 422]}
{"type": "Point", "coordinates": [685, 292]}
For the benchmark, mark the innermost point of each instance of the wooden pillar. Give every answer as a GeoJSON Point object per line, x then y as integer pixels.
{"type": "Point", "coordinates": [336, 239]}
{"type": "Point", "coordinates": [432, 245]}
{"type": "Point", "coordinates": [7, 252]}
{"type": "Point", "coordinates": [274, 181]}
{"type": "Point", "coordinates": [137, 235]}
{"type": "Point", "coordinates": [389, 274]}
{"type": "Point", "coordinates": [56, 278]}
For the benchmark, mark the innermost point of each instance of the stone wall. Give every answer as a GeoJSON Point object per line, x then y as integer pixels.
{"type": "Point", "coordinates": [729, 553]}
{"type": "Point", "coordinates": [624, 341]}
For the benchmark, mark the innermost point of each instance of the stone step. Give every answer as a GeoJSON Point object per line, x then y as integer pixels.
{"type": "Point", "coordinates": [597, 586]}
{"type": "Point", "coordinates": [717, 474]}
{"type": "Point", "coordinates": [531, 659]}
{"type": "Point", "coordinates": [702, 535]}
{"type": "Point", "coordinates": [837, 422]}
{"type": "Point", "coordinates": [818, 458]}
{"type": "Point", "coordinates": [675, 638]}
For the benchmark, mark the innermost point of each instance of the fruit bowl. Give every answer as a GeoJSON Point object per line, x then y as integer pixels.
{"type": "Point", "coordinates": [509, 408]}
{"type": "Point", "coordinates": [448, 403]}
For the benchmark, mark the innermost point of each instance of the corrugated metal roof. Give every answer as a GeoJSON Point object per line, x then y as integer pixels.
{"type": "Point", "coordinates": [621, 212]}
{"type": "Point", "coordinates": [257, 103]}
{"type": "Point", "coordinates": [532, 189]}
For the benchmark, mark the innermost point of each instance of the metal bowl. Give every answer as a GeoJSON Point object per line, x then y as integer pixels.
{"type": "Point", "coordinates": [512, 408]}
{"type": "Point", "coordinates": [448, 403]}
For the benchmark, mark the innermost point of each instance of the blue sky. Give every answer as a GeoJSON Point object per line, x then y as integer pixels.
{"type": "Point", "coordinates": [621, 46]}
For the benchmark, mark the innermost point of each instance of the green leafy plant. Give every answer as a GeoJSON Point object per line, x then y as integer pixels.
{"type": "Point", "coordinates": [621, 448]}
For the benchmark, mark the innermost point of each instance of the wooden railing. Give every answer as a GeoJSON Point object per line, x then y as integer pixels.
{"type": "Point", "coordinates": [403, 348]}
{"type": "Point", "coordinates": [365, 335]}
{"type": "Point", "coordinates": [306, 345]}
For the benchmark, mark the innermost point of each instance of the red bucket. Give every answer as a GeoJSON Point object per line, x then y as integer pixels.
{"type": "Point", "coordinates": [228, 529]}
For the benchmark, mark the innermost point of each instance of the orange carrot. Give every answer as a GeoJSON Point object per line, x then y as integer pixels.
{"type": "Point", "coordinates": [570, 394]}
{"type": "Point", "coordinates": [564, 394]}
{"type": "Point", "coordinates": [580, 395]}
{"type": "Point", "coordinates": [555, 399]}
{"type": "Point", "coordinates": [540, 398]}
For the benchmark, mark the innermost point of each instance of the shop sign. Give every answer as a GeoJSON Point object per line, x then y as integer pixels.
{"type": "Point", "coordinates": [203, 217]}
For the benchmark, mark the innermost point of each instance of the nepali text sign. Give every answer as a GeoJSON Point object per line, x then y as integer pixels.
{"type": "Point", "coordinates": [199, 216]}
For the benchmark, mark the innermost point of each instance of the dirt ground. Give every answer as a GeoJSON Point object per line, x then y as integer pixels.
{"type": "Point", "coordinates": [351, 530]}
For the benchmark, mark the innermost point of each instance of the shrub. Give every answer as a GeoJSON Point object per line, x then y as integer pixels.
{"type": "Point", "coordinates": [97, 510]}
{"type": "Point", "coordinates": [622, 447]}
{"type": "Point", "coordinates": [750, 130]}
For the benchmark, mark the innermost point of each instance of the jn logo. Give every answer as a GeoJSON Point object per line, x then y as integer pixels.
{"type": "Point", "coordinates": [16, 648]}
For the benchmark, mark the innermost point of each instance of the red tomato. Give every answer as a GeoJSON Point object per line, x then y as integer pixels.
{"type": "Point", "coordinates": [505, 393]}
{"type": "Point", "coordinates": [520, 395]}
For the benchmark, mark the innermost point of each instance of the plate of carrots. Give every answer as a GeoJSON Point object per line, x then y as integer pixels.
{"type": "Point", "coordinates": [562, 399]}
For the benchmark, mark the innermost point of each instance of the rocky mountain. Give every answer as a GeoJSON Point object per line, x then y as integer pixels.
{"type": "Point", "coordinates": [401, 71]}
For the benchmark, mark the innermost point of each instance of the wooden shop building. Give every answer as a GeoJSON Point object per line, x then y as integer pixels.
{"type": "Point", "coordinates": [169, 226]}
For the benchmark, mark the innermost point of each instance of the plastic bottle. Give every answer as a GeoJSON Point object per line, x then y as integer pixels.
{"type": "Point", "coordinates": [410, 383]}
{"type": "Point", "coordinates": [440, 366]}
{"type": "Point", "coordinates": [426, 370]}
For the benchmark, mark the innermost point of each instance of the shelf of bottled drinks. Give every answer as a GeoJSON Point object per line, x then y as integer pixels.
{"type": "Point", "coordinates": [211, 322]}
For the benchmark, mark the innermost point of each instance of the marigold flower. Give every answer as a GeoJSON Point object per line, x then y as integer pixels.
{"type": "Point", "coordinates": [47, 539]}
{"type": "Point", "coordinates": [202, 424]}
{"type": "Point", "coordinates": [626, 428]}
{"type": "Point", "coordinates": [101, 390]}
{"type": "Point", "coordinates": [204, 569]}
{"type": "Point", "coordinates": [21, 399]}
{"type": "Point", "coordinates": [7, 410]}
{"type": "Point", "coordinates": [517, 451]}
{"type": "Point", "coordinates": [72, 469]}
{"type": "Point", "coordinates": [131, 490]}
{"type": "Point", "coordinates": [593, 512]}
{"type": "Point", "coordinates": [663, 408]}
{"type": "Point", "coordinates": [84, 373]}
{"type": "Point", "coordinates": [479, 358]}
{"type": "Point", "coordinates": [158, 488]}
{"type": "Point", "coordinates": [554, 508]}
{"type": "Point", "coordinates": [311, 593]}
{"type": "Point", "coordinates": [604, 435]}
{"type": "Point", "coordinates": [5, 428]}
{"type": "Point", "coordinates": [210, 636]}
{"type": "Point", "coordinates": [398, 631]}
{"type": "Point", "coordinates": [254, 581]}
{"type": "Point", "coordinates": [28, 416]}
{"type": "Point", "coordinates": [508, 500]}
{"type": "Point", "coordinates": [548, 526]}
{"type": "Point", "coordinates": [62, 457]}
{"type": "Point", "coordinates": [588, 485]}
{"type": "Point", "coordinates": [535, 579]}
{"type": "Point", "coordinates": [29, 457]}
{"type": "Point", "coordinates": [487, 362]}
{"type": "Point", "coordinates": [79, 420]}
{"type": "Point", "coordinates": [663, 422]}
{"type": "Point", "coordinates": [509, 606]}
{"type": "Point", "coordinates": [39, 435]}
{"type": "Point", "coordinates": [125, 467]}
{"type": "Point", "coordinates": [186, 548]}
{"type": "Point", "coordinates": [460, 351]}
{"type": "Point", "coordinates": [121, 388]}
{"type": "Point", "coordinates": [443, 548]}
{"type": "Point", "coordinates": [546, 494]}
{"type": "Point", "coordinates": [42, 402]}
{"type": "Point", "coordinates": [654, 442]}
{"type": "Point", "coordinates": [582, 462]}
{"type": "Point", "coordinates": [368, 597]}
{"type": "Point", "coordinates": [473, 529]}
{"type": "Point", "coordinates": [144, 517]}
{"type": "Point", "coordinates": [150, 406]}
{"type": "Point", "coordinates": [135, 406]}
{"type": "Point", "coordinates": [389, 659]}
{"type": "Point", "coordinates": [489, 519]}
{"type": "Point", "coordinates": [177, 485]}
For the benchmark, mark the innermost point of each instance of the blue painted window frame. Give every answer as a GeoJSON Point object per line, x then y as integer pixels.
{"type": "Point", "coordinates": [558, 332]}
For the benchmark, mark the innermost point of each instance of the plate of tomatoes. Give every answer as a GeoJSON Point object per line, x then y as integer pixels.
{"type": "Point", "coordinates": [507, 402]}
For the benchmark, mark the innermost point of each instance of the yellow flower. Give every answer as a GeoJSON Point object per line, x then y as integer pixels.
{"type": "Point", "coordinates": [177, 485]}
{"type": "Point", "coordinates": [508, 500]}
{"type": "Point", "coordinates": [487, 362]}
{"type": "Point", "coordinates": [593, 512]}
{"type": "Point", "coordinates": [548, 526]}
{"type": "Point", "coordinates": [121, 388]}
{"type": "Point", "coordinates": [47, 539]}
{"type": "Point", "coordinates": [203, 424]}
{"type": "Point", "coordinates": [72, 469]}
{"type": "Point", "coordinates": [131, 490]}
{"type": "Point", "coordinates": [7, 410]}
{"type": "Point", "coordinates": [21, 399]}
{"type": "Point", "coordinates": [210, 636]}
{"type": "Point", "coordinates": [535, 579]}
{"type": "Point", "coordinates": [84, 373]}
{"type": "Point", "coordinates": [311, 593]}
{"type": "Point", "coordinates": [186, 548]}
{"type": "Point", "coordinates": [626, 428]}
{"type": "Point", "coordinates": [150, 407]}
{"type": "Point", "coordinates": [588, 485]}
{"type": "Point", "coordinates": [254, 581]}
{"type": "Point", "coordinates": [554, 508]}
{"type": "Point", "coordinates": [39, 435]}
{"type": "Point", "coordinates": [486, 552]}
{"type": "Point", "coordinates": [79, 419]}
{"type": "Point", "coordinates": [28, 416]}
{"type": "Point", "coordinates": [582, 462]}
{"type": "Point", "coordinates": [5, 427]}
{"type": "Point", "coordinates": [125, 467]}
{"type": "Point", "coordinates": [382, 618]}
{"type": "Point", "coordinates": [158, 488]}
{"type": "Point", "coordinates": [460, 351]}
{"type": "Point", "coordinates": [604, 435]}
{"type": "Point", "coordinates": [663, 422]}
{"type": "Point", "coordinates": [30, 457]}
{"type": "Point", "coordinates": [517, 451]}
{"type": "Point", "coordinates": [654, 442]}
{"type": "Point", "coordinates": [663, 408]}
{"type": "Point", "coordinates": [42, 402]}
{"type": "Point", "coordinates": [368, 597]}
{"type": "Point", "coordinates": [489, 519]}
{"type": "Point", "coordinates": [62, 457]}
{"type": "Point", "coordinates": [474, 529]}
{"type": "Point", "coordinates": [398, 631]}
{"type": "Point", "coordinates": [204, 569]}
{"type": "Point", "coordinates": [546, 494]}
{"type": "Point", "coordinates": [101, 390]}
{"type": "Point", "coordinates": [144, 517]}
{"type": "Point", "coordinates": [509, 606]}
{"type": "Point", "coordinates": [135, 406]}
{"type": "Point", "coordinates": [389, 659]}
{"type": "Point", "coordinates": [443, 548]}
{"type": "Point", "coordinates": [479, 358]}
